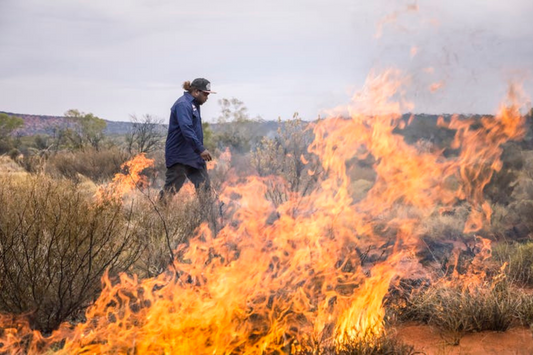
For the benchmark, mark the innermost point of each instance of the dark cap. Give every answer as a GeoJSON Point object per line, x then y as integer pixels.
{"type": "Point", "coordinates": [202, 85]}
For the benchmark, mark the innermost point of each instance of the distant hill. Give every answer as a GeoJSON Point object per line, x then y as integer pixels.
{"type": "Point", "coordinates": [422, 126]}
{"type": "Point", "coordinates": [41, 124]}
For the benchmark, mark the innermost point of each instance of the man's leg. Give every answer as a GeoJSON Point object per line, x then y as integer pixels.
{"type": "Point", "coordinates": [200, 179]}
{"type": "Point", "coordinates": [174, 178]}
{"type": "Point", "coordinates": [202, 184]}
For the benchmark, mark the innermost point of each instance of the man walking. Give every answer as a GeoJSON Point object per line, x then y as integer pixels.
{"type": "Point", "coordinates": [185, 154]}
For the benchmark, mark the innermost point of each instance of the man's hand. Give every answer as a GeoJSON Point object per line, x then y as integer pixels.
{"type": "Point", "coordinates": [206, 155]}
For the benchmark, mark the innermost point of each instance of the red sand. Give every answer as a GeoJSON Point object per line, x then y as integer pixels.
{"type": "Point", "coordinates": [430, 341]}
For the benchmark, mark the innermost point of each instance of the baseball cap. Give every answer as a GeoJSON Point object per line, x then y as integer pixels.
{"type": "Point", "coordinates": [202, 84]}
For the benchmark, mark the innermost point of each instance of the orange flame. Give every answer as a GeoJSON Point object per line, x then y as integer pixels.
{"type": "Point", "coordinates": [436, 86]}
{"type": "Point", "coordinates": [124, 183]}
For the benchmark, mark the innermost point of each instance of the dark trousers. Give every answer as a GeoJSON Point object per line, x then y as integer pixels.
{"type": "Point", "coordinates": [174, 180]}
{"type": "Point", "coordinates": [176, 175]}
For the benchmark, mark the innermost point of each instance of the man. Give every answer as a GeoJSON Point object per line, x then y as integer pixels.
{"type": "Point", "coordinates": [185, 154]}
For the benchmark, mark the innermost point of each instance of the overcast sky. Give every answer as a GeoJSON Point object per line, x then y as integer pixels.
{"type": "Point", "coordinates": [115, 58]}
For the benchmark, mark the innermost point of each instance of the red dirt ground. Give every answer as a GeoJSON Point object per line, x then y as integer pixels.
{"type": "Point", "coordinates": [427, 340]}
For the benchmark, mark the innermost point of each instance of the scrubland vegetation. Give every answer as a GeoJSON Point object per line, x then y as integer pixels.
{"type": "Point", "coordinates": [57, 240]}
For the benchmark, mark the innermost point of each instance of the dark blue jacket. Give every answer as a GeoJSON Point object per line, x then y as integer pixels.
{"type": "Point", "coordinates": [185, 139]}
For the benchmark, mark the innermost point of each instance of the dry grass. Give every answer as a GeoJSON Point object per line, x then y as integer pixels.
{"type": "Point", "coordinates": [456, 310]}
{"type": "Point", "coordinates": [383, 345]}
{"type": "Point", "coordinates": [97, 165]}
{"type": "Point", "coordinates": [519, 259]}
{"type": "Point", "coordinates": [11, 168]}
{"type": "Point", "coordinates": [525, 311]}
{"type": "Point", "coordinates": [445, 226]}
{"type": "Point", "coordinates": [162, 228]}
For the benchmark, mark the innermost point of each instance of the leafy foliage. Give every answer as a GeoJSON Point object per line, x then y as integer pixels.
{"type": "Point", "coordinates": [236, 130]}
{"type": "Point", "coordinates": [7, 125]}
{"type": "Point", "coordinates": [89, 131]}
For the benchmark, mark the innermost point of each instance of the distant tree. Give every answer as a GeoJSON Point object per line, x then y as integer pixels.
{"type": "Point", "coordinates": [41, 142]}
{"type": "Point", "coordinates": [232, 110]}
{"type": "Point", "coordinates": [209, 139]}
{"type": "Point", "coordinates": [89, 129]}
{"type": "Point", "coordinates": [59, 138]}
{"type": "Point", "coordinates": [146, 134]}
{"type": "Point", "coordinates": [7, 125]}
{"type": "Point", "coordinates": [236, 126]}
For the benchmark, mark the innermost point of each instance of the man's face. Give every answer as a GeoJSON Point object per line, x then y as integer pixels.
{"type": "Point", "coordinates": [200, 96]}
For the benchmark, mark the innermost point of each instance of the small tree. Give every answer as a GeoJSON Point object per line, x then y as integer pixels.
{"type": "Point", "coordinates": [89, 129]}
{"type": "Point", "coordinates": [146, 135]}
{"type": "Point", "coordinates": [286, 156]}
{"type": "Point", "coordinates": [236, 130]}
{"type": "Point", "coordinates": [7, 125]}
{"type": "Point", "coordinates": [209, 141]}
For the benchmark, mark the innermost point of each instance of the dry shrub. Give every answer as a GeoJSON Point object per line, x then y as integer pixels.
{"type": "Point", "coordinates": [501, 187]}
{"type": "Point", "coordinates": [519, 259]}
{"type": "Point", "coordinates": [9, 167]}
{"type": "Point", "coordinates": [162, 228]}
{"type": "Point", "coordinates": [524, 188]}
{"type": "Point", "coordinates": [456, 309]}
{"type": "Point", "coordinates": [528, 162]}
{"type": "Point", "coordinates": [386, 344]}
{"type": "Point", "coordinates": [286, 156]}
{"type": "Point", "coordinates": [56, 244]}
{"type": "Point", "coordinates": [514, 221]}
{"type": "Point", "coordinates": [97, 165]}
{"type": "Point", "coordinates": [525, 310]}
{"type": "Point", "coordinates": [447, 225]}
{"type": "Point", "coordinates": [33, 162]}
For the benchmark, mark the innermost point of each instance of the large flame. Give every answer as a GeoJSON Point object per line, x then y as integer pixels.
{"type": "Point", "coordinates": [282, 278]}
{"type": "Point", "coordinates": [128, 180]}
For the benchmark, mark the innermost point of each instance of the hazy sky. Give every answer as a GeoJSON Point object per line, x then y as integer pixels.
{"type": "Point", "coordinates": [120, 57]}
